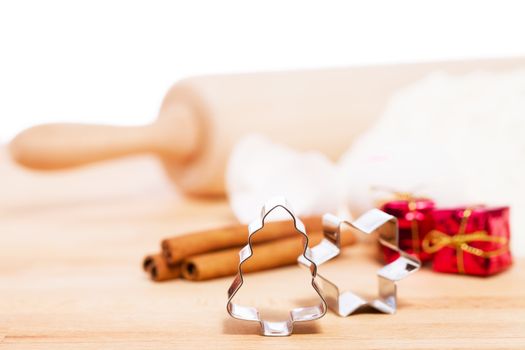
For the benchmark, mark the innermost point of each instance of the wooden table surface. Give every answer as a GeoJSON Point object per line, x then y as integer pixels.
{"type": "Point", "coordinates": [71, 246]}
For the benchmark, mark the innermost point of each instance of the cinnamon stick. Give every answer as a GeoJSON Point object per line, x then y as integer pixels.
{"type": "Point", "coordinates": [178, 248]}
{"type": "Point", "coordinates": [269, 255]}
{"type": "Point", "coordinates": [158, 269]}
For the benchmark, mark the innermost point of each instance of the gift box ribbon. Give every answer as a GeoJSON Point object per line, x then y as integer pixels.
{"type": "Point", "coordinates": [437, 240]}
{"type": "Point", "coordinates": [412, 207]}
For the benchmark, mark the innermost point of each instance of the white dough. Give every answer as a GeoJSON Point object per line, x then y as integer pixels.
{"type": "Point", "coordinates": [457, 139]}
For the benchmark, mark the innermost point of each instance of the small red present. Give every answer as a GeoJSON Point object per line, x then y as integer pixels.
{"type": "Point", "coordinates": [415, 220]}
{"type": "Point", "coordinates": [472, 241]}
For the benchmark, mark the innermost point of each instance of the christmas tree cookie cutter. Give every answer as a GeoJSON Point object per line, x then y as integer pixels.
{"type": "Point", "coordinates": [345, 303]}
{"type": "Point", "coordinates": [299, 314]}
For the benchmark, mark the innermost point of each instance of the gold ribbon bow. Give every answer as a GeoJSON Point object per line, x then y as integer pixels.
{"type": "Point", "coordinates": [437, 240]}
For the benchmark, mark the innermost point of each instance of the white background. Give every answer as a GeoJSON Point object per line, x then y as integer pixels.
{"type": "Point", "coordinates": [112, 61]}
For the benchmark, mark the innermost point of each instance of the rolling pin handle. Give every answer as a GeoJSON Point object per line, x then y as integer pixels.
{"type": "Point", "coordinates": [63, 145]}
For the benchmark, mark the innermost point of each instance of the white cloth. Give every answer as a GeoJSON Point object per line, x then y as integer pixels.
{"type": "Point", "coordinates": [459, 140]}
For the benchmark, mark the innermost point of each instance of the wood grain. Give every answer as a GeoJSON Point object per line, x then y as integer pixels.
{"type": "Point", "coordinates": [71, 246]}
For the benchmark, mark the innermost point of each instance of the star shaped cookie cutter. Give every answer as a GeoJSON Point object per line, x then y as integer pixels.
{"type": "Point", "coordinates": [300, 314]}
{"type": "Point", "coordinates": [347, 302]}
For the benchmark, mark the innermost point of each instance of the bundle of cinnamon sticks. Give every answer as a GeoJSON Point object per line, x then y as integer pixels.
{"type": "Point", "coordinates": [205, 255]}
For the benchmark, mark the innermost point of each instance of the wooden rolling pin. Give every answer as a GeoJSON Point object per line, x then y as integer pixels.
{"type": "Point", "coordinates": [202, 118]}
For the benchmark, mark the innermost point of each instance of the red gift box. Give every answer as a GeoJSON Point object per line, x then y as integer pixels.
{"type": "Point", "coordinates": [472, 241]}
{"type": "Point", "coordinates": [415, 220]}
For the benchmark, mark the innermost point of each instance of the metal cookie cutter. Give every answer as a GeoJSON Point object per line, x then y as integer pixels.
{"type": "Point", "coordinates": [375, 220]}
{"type": "Point", "coordinates": [300, 314]}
